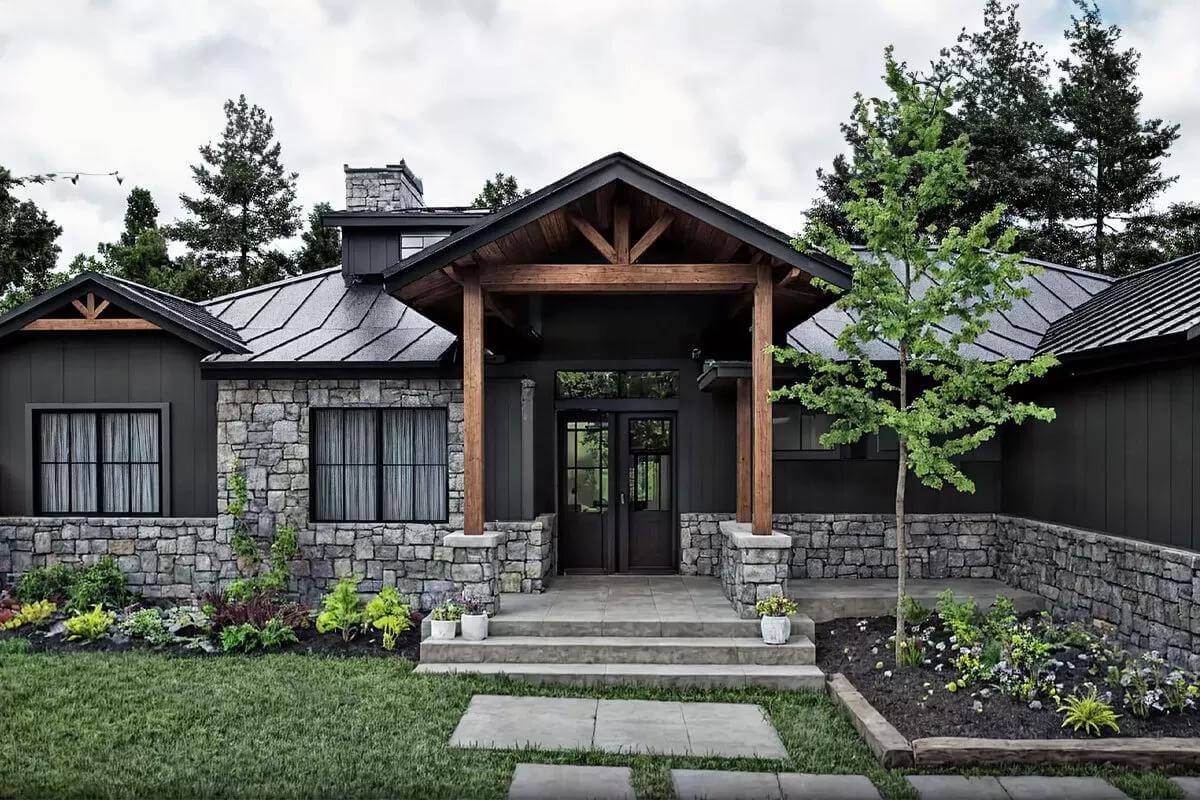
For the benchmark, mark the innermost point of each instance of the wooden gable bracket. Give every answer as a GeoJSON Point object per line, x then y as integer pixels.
{"type": "Point", "coordinates": [594, 236]}
{"type": "Point", "coordinates": [650, 236]}
{"type": "Point", "coordinates": [90, 319]}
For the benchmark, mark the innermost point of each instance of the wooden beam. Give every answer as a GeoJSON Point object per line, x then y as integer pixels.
{"type": "Point", "coordinates": [84, 324]}
{"type": "Point", "coordinates": [760, 361]}
{"type": "Point", "coordinates": [650, 236]}
{"type": "Point", "coordinates": [621, 232]}
{"type": "Point", "coordinates": [472, 359]}
{"type": "Point", "coordinates": [745, 435]}
{"type": "Point", "coordinates": [595, 237]}
{"type": "Point", "coordinates": [617, 277]}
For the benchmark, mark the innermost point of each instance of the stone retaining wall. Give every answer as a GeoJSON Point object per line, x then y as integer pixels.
{"type": "Point", "coordinates": [528, 558]}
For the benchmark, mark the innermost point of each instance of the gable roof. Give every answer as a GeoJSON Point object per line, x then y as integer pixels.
{"type": "Point", "coordinates": [617, 166]}
{"type": "Point", "coordinates": [1155, 302]}
{"type": "Point", "coordinates": [317, 320]}
{"type": "Point", "coordinates": [184, 318]}
{"type": "Point", "coordinates": [1054, 294]}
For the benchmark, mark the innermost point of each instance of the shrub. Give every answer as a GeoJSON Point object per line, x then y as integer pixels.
{"type": "Point", "coordinates": [1088, 712]}
{"type": "Point", "coordinates": [387, 612]}
{"type": "Point", "coordinates": [914, 612]}
{"type": "Point", "coordinates": [342, 609]}
{"type": "Point", "coordinates": [912, 651]}
{"type": "Point", "coordinates": [257, 610]}
{"type": "Point", "coordinates": [102, 583]}
{"type": "Point", "coordinates": [90, 625]}
{"type": "Point", "coordinates": [37, 613]}
{"type": "Point", "coordinates": [51, 583]}
{"type": "Point", "coordinates": [1000, 618]}
{"type": "Point", "coordinates": [188, 621]}
{"type": "Point", "coordinates": [776, 606]}
{"type": "Point", "coordinates": [247, 637]}
{"type": "Point", "coordinates": [448, 611]}
{"type": "Point", "coordinates": [959, 618]}
{"type": "Point", "coordinates": [147, 624]}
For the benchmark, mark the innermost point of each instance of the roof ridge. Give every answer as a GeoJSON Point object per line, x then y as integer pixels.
{"type": "Point", "coordinates": [273, 284]}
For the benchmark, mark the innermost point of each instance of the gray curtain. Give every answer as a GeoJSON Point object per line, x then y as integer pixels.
{"type": "Point", "coordinates": [128, 458]}
{"type": "Point", "coordinates": [360, 464]}
{"type": "Point", "coordinates": [345, 464]}
{"type": "Point", "coordinates": [131, 454]}
{"type": "Point", "coordinates": [414, 458]}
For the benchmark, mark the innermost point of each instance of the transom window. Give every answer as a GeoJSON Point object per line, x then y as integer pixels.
{"type": "Point", "coordinates": [635, 384]}
{"type": "Point", "coordinates": [385, 464]}
{"type": "Point", "coordinates": [99, 462]}
{"type": "Point", "coordinates": [413, 243]}
{"type": "Point", "coordinates": [796, 429]}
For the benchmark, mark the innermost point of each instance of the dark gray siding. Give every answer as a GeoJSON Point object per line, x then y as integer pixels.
{"type": "Point", "coordinates": [369, 251]}
{"type": "Point", "coordinates": [858, 485]}
{"type": "Point", "coordinates": [111, 368]}
{"type": "Point", "coordinates": [1122, 457]}
{"type": "Point", "coordinates": [508, 452]}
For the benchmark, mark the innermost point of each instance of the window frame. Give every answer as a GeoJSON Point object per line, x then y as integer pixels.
{"type": "Point", "coordinates": [781, 454]}
{"type": "Point", "coordinates": [422, 234]}
{"type": "Point", "coordinates": [313, 506]}
{"type": "Point", "coordinates": [33, 413]}
{"type": "Point", "coordinates": [620, 384]}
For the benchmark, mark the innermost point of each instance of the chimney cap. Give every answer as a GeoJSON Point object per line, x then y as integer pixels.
{"type": "Point", "coordinates": [400, 167]}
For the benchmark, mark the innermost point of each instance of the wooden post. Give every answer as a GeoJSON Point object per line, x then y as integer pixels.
{"type": "Point", "coordinates": [761, 360]}
{"type": "Point", "coordinates": [472, 359]}
{"type": "Point", "coordinates": [745, 436]}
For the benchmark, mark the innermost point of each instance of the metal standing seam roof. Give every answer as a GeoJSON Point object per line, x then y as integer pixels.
{"type": "Point", "coordinates": [317, 319]}
{"type": "Point", "coordinates": [1159, 301]}
{"type": "Point", "coordinates": [1054, 294]}
{"type": "Point", "coordinates": [195, 312]}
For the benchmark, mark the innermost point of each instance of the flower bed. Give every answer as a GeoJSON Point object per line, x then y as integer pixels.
{"type": "Point", "coordinates": [997, 676]}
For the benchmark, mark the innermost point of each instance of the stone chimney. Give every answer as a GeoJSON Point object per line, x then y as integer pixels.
{"type": "Point", "coordinates": [382, 189]}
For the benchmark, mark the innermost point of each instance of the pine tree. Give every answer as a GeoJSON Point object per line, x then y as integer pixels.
{"type": "Point", "coordinates": [498, 192]}
{"type": "Point", "coordinates": [321, 246]}
{"type": "Point", "coordinates": [1113, 156]}
{"type": "Point", "coordinates": [28, 247]}
{"type": "Point", "coordinates": [246, 201]}
{"type": "Point", "coordinates": [141, 214]}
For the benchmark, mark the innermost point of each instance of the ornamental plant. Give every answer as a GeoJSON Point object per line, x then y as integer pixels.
{"type": "Point", "coordinates": [448, 611]}
{"type": "Point", "coordinates": [255, 579]}
{"type": "Point", "coordinates": [928, 294]}
{"type": "Point", "coordinates": [1087, 712]}
{"type": "Point", "coordinates": [776, 606]}
{"type": "Point", "coordinates": [102, 583]}
{"type": "Point", "coordinates": [46, 583]}
{"type": "Point", "coordinates": [90, 625]}
{"type": "Point", "coordinates": [341, 609]}
{"type": "Point", "coordinates": [247, 637]}
{"type": "Point", "coordinates": [147, 624]}
{"type": "Point", "coordinates": [388, 613]}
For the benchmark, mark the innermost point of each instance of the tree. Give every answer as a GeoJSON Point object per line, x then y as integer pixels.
{"type": "Point", "coordinates": [141, 214]}
{"type": "Point", "coordinates": [246, 200]}
{"type": "Point", "coordinates": [28, 247]}
{"type": "Point", "coordinates": [926, 291]}
{"type": "Point", "coordinates": [321, 247]}
{"type": "Point", "coordinates": [1114, 157]}
{"type": "Point", "coordinates": [1153, 238]}
{"type": "Point", "coordinates": [499, 191]}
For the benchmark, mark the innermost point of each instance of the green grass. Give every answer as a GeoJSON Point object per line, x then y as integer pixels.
{"type": "Point", "coordinates": [138, 725]}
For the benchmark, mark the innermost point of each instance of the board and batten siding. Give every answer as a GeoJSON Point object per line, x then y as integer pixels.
{"type": "Point", "coordinates": [143, 367]}
{"type": "Point", "coordinates": [1123, 456]}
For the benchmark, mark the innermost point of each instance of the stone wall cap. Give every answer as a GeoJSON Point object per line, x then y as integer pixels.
{"type": "Point", "coordinates": [460, 539]}
{"type": "Point", "coordinates": [741, 537]}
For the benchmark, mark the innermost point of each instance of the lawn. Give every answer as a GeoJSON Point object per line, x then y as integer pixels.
{"type": "Point", "coordinates": [147, 725]}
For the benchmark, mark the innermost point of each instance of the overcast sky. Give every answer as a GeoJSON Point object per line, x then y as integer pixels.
{"type": "Point", "coordinates": [740, 99]}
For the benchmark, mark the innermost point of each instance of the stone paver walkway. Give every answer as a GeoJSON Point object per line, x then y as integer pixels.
{"type": "Point", "coordinates": [557, 782]}
{"type": "Point", "coordinates": [1021, 787]}
{"type": "Point", "coordinates": [1189, 786]}
{"type": "Point", "coordinates": [704, 784]}
{"type": "Point", "coordinates": [730, 730]}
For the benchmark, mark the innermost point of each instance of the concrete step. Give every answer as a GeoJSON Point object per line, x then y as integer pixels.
{"type": "Point", "coordinates": [510, 625]}
{"type": "Point", "coordinates": [825, 599]}
{"type": "Point", "coordinates": [618, 650]}
{"type": "Point", "coordinates": [669, 676]}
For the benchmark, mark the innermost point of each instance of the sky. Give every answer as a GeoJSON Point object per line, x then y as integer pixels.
{"type": "Point", "coordinates": [740, 99]}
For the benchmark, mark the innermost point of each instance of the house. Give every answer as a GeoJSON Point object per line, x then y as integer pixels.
{"type": "Point", "coordinates": [577, 383]}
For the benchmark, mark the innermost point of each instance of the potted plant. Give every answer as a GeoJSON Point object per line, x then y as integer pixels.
{"type": "Point", "coordinates": [444, 624]}
{"type": "Point", "coordinates": [474, 618]}
{"type": "Point", "coordinates": [776, 623]}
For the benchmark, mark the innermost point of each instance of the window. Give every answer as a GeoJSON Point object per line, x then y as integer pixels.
{"type": "Point", "coordinates": [799, 430]}
{"type": "Point", "coordinates": [413, 243]}
{"type": "Point", "coordinates": [380, 464]}
{"type": "Point", "coordinates": [99, 462]}
{"type": "Point", "coordinates": [586, 469]}
{"type": "Point", "coordinates": [634, 384]}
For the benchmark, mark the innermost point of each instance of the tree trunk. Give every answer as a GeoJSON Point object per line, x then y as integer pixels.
{"type": "Point", "coordinates": [901, 528]}
{"type": "Point", "coordinates": [1098, 208]}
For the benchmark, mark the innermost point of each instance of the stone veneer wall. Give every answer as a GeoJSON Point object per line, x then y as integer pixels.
{"type": "Point", "coordinates": [528, 558]}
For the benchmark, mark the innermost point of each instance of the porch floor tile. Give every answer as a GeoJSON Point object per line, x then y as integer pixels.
{"type": "Point", "coordinates": [621, 599]}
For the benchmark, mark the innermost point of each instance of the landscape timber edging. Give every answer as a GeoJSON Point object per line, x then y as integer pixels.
{"type": "Point", "coordinates": [891, 749]}
{"type": "Point", "coordinates": [887, 744]}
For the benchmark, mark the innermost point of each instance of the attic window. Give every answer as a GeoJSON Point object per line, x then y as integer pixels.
{"type": "Point", "coordinates": [413, 243]}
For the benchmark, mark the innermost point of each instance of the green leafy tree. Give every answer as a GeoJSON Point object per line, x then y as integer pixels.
{"type": "Point", "coordinates": [1153, 238]}
{"type": "Point", "coordinates": [1114, 156]}
{"type": "Point", "coordinates": [321, 247]}
{"type": "Point", "coordinates": [246, 201]}
{"type": "Point", "coordinates": [928, 292]}
{"type": "Point", "coordinates": [28, 247]}
{"type": "Point", "coordinates": [499, 191]}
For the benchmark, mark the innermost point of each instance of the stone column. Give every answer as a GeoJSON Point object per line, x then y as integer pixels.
{"type": "Point", "coordinates": [475, 565]}
{"type": "Point", "coordinates": [753, 567]}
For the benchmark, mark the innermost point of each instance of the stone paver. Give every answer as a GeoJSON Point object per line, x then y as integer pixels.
{"type": "Point", "coordinates": [797, 786]}
{"type": "Point", "coordinates": [1189, 786]}
{"type": "Point", "coordinates": [712, 784]}
{"type": "Point", "coordinates": [629, 726]}
{"type": "Point", "coordinates": [557, 782]}
{"type": "Point", "coordinates": [1032, 787]}
{"type": "Point", "coordinates": [955, 787]}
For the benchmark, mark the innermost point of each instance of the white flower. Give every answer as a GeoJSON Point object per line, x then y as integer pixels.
{"type": "Point", "coordinates": [978, 706]}
{"type": "Point", "coordinates": [887, 673]}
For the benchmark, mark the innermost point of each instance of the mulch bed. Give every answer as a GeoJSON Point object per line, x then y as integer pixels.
{"type": "Point", "coordinates": [844, 646]}
{"type": "Point", "coordinates": [311, 643]}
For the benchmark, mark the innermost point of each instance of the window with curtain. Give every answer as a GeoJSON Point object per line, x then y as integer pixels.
{"type": "Point", "coordinates": [380, 464]}
{"type": "Point", "coordinates": [99, 462]}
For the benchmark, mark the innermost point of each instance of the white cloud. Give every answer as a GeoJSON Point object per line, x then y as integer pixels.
{"type": "Point", "coordinates": [741, 99]}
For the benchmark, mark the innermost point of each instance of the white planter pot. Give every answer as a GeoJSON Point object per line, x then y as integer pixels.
{"type": "Point", "coordinates": [775, 630]}
{"type": "Point", "coordinates": [442, 628]}
{"type": "Point", "coordinates": [475, 627]}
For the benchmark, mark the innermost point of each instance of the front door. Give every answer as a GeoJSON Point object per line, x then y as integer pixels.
{"type": "Point", "coordinates": [616, 506]}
